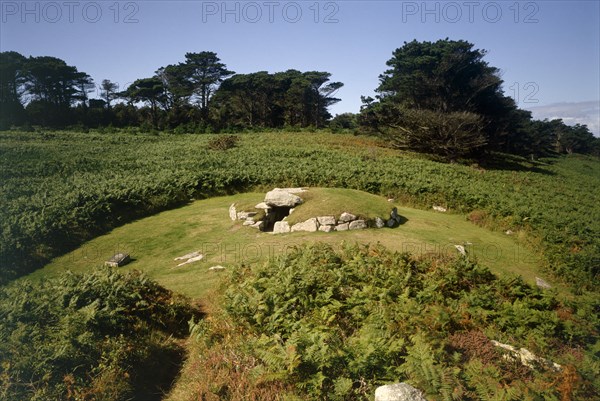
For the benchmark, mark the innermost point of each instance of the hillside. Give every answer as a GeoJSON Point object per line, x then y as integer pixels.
{"type": "Point", "coordinates": [60, 189]}
{"type": "Point", "coordinates": [298, 315]}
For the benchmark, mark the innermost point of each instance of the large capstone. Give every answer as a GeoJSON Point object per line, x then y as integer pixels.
{"type": "Point", "coordinates": [282, 198]}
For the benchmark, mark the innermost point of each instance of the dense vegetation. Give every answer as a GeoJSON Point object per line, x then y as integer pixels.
{"type": "Point", "coordinates": [59, 189]}
{"type": "Point", "coordinates": [197, 95]}
{"type": "Point", "coordinates": [97, 336]}
{"type": "Point", "coordinates": [443, 98]}
{"type": "Point", "coordinates": [332, 325]}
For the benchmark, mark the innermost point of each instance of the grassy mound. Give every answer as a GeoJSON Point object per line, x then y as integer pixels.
{"type": "Point", "coordinates": [335, 201]}
{"type": "Point", "coordinates": [205, 226]}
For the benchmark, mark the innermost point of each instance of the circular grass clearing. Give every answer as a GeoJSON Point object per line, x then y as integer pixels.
{"type": "Point", "coordinates": [204, 226]}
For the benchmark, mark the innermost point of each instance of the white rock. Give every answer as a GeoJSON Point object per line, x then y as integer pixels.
{"type": "Point", "coordinates": [245, 215]}
{"type": "Point", "coordinates": [249, 222]}
{"type": "Point", "coordinates": [218, 267]}
{"type": "Point", "coordinates": [281, 227]}
{"type": "Point", "coordinates": [326, 220]}
{"type": "Point", "coordinates": [391, 199]}
{"type": "Point", "coordinates": [262, 205]}
{"type": "Point", "coordinates": [542, 283]}
{"type": "Point", "coordinates": [309, 225]}
{"type": "Point", "coordinates": [527, 357]}
{"type": "Point", "coordinates": [188, 255]}
{"type": "Point", "coordinates": [461, 250]}
{"type": "Point", "coordinates": [347, 217]}
{"type": "Point", "coordinates": [232, 212]}
{"type": "Point", "coordinates": [342, 227]}
{"type": "Point", "coordinates": [357, 225]}
{"type": "Point", "coordinates": [508, 232]}
{"type": "Point", "coordinates": [439, 208]}
{"type": "Point", "coordinates": [191, 260]}
{"type": "Point", "coordinates": [326, 229]}
{"type": "Point", "coordinates": [281, 198]}
{"type": "Point", "coordinates": [379, 222]}
{"type": "Point", "coordinates": [259, 225]}
{"type": "Point", "coordinates": [398, 392]}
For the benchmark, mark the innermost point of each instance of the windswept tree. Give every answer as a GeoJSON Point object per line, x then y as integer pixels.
{"type": "Point", "coordinates": [446, 82]}
{"type": "Point", "coordinates": [84, 84]}
{"type": "Point", "coordinates": [205, 72]}
{"type": "Point", "coordinates": [109, 91]}
{"type": "Point", "coordinates": [321, 96]}
{"type": "Point", "coordinates": [51, 80]}
{"type": "Point", "coordinates": [150, 91]}
{"type": "Point", "coordinates": [289, 98]}
{"type": "Point", "coordinates": [178, 92]}
{"type": "Point", "coordinates": [575, 139]}
{"type": "Point", "coordinates": [441, 76]}
{"type": "Point", "coordinates": [52, 88]}
{"type": "Point", "coordinates": [178, 87]}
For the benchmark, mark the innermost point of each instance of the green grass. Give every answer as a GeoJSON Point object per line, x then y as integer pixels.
{"type": "Point", "coordinates": [204, 225]}
{"type": "Point", "coordinates": [335, 201]}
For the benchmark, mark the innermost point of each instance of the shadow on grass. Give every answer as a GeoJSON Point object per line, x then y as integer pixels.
{"type": "Point", "coordinates": [156, 373]}
{"type": "Point", "coordinates": [401, 220]}
{"type": "Point", "coordinates": [505, 162]}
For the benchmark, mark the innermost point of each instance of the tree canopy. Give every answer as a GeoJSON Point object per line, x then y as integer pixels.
{"type": "Point", "coordinates": [432, 91]}
{"type": "Point", "coordinates": [290, 98]}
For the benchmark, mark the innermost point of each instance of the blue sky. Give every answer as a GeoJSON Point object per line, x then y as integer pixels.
{"type": "Point", "coordinates": [548, 51]}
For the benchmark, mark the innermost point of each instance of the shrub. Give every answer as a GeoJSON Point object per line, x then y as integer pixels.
{"type": "Point", "coordinates": [478, 217]}
{"type": "Point", "coordinates": [223, 142]}
{"type": "Point", "coordinates": [451, 135]}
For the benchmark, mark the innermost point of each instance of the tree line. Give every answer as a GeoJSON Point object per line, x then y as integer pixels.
{"type": "Point", "coordinates": [435, 97]}
{"type": "Point", "coordinates": [196, 94]}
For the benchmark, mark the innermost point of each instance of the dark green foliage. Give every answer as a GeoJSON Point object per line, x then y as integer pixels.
{"type": "Point", "coordinates": [576, 139]}
{"type": "Point", "coordinates": [336, 324]}
{"type": "Point", "coordinates": [449, 134]}
{"type": "Point", "coordinates": [150, 91]}
{"type": "Point", "coordinates": [205, 72]}
{"type": "Point", "coordinates": [12, 78]}
{"type": "Point", "coordinates": [344, 122]}
{"type": "Point", "coordinates": [97, 336]}
{"type": "Point", "coordinates": [445, 93]}
{"type": "Point", "coordinates": [194, 92]}
{"type": "Point", "coordinates": [290, 98]}
{"type": "Point", "coordinates": [444, 76]}
{"type": "Point", "coordinates": [440, 98]}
